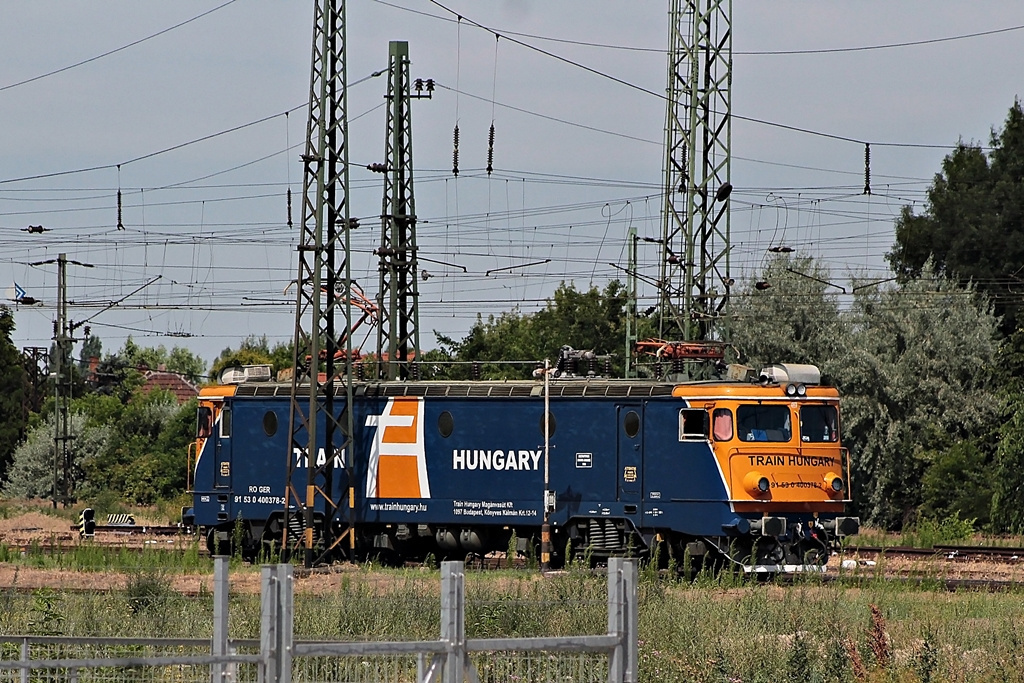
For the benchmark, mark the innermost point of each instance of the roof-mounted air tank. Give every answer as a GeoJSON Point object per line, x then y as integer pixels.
{"type": "Point", "coordinates": [790, 373]}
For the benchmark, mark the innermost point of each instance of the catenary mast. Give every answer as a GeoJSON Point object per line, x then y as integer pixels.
{"type": "Point", "coordinates": [694, 273]}
{"type": "Point", "coordinates": [398, 339]}
{"type": "Point", "coordinates": [323, 311]}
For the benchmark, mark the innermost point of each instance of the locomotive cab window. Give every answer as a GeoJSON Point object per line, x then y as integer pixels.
{"type": "Point", "coordinates": [722, 422]}
{"type": "Point", "coordinates": [204, 423]}
{"type": "Point", "coordinates": [759, 422]}
{"type": "Point", "coordinates": [693, 424]}
{"type": "Point", "coordinates": [819, 424]}
{"type": "Point", "coordinates": [225, 422]}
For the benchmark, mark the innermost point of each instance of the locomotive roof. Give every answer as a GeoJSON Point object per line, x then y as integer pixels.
{"type": "Point", "coordinates": [559, 387]}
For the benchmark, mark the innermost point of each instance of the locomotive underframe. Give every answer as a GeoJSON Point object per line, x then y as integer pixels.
{"type": "Point", "coordinates": [584, 539]}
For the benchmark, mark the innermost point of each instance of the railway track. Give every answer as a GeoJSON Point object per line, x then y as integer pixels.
{"type": "Point", "coordinates": [134, 529]}
{"type": "Point", "coordinates": [957, 553]}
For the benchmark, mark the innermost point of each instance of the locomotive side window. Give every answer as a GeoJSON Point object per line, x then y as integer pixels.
{"type": "Point", "coordinates": [764, 423]}
{"type": "Point", "coordinates": [693, 424]}
{"type": "Point", "coordinates": [819, 424]}
{"type": "Point", "coordinates": [204, 423]}
{"type": "Point", "coordinates": [722, 422]}
{"type": "Point", "coordinates": [270, 423]}
{"type": "Point", "coordinates": [631, 424]}
{"type": "Point", "coordinates": [445, 424]}
{"type": "Point", "coordinates": [551, 424]}
{"type": "Point", "coordinates": [225, 422]}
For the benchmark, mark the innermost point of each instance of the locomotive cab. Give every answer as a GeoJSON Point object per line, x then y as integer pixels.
{"type": "Point", "coordinates": [786, 474]}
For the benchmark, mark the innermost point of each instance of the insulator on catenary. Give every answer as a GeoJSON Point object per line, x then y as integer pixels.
{"type": "Point", "coordinates": [120, 225]}
{"type": "Point", "coordinates": [455, 151]}
{"type": "Point", "coordinates": [867, 168]}
{"type": "Point", "coordinates": [289, 207]}
{"type": "Point", "coordinates": [490, 150]}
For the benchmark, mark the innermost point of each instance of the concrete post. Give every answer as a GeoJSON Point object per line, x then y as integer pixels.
{"type": "Point", "coordinates": [277, 623]}
{"type": "Point", "coordinates": [219, 645]}
{"type": "Point", "coordinates": [453, 621]}
{"type": "Point", "coordinates": [286, 620]}
{"type": "Point", "coordinates": [269, 672]}
{"type": "Point", "coordinates": [622, 619]}
{"type": "Point", "coordinates": [24, 658]}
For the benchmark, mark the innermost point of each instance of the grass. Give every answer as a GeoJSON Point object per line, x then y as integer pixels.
{"type": "Point", "coordinates": [716, 629]}
{"type": "Point", "coordinates": [928, 533]}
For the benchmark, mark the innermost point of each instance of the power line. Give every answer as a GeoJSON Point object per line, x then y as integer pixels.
{"type": "Point", "coordinates": [885, 46]}
{"type": "Point", "coordinates": [745, 53]}
{"type": "Point", "coordinates": [115, 50]}
{"type": "Point", "coordinates": [660, 96]}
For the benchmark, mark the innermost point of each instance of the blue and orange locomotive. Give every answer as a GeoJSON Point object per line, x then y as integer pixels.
{"type": "Point", "coordinates": [743, 472]}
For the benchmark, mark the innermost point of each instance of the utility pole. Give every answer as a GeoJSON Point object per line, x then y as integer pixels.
{"type": "Point", "coordinates": [63, 378]}
{"type": "Point", "coordinates": [36, 361]}
{"type": "Point", "coordinates": [694, 277]}
{"type": "Point", "coordinates": [631, 296]}
{"type": "Point", "coordinates": [398, 337]}
{"type": "Point", "coordinates": [323, 310]}
{"type": "Point", "coordinates": [61, 383]}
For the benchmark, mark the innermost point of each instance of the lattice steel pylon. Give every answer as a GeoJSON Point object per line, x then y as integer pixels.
{"type": "Point", "coordinates": [320, 438]}
{"type": "Point", "coordinates": [694, 273]}
{"type": "Point", "coordinates": [398, 338]}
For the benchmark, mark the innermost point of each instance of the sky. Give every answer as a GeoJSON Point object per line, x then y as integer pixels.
{"type": "Point", "coordinates": [195, 111]}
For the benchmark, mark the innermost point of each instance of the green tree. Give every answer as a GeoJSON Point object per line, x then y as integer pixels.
{"type": "Point", "coordinates": [178, 360]}
{"type": "Point", "coordinates": [593, 320]}
{"type": "Point", "coordinates": [12, 391]}
{"type": "Point", "coordinates": [796, 319]}
{"type": "Point", "coordinates": [958, 483]}
{"type": "Point", "coordinates": [92, 347]}
{"type": "Point", "coordinates": [973, 223]}
{"type": "Point", "coordinates": [916, 380]}
{"type": "Point", "coordinates": [145, 458]}
{"type": "Point", "coordinates": [1008, 468]}
{"type": "Point", "coordinates": [32, 473]}
{"type": "Point", "coordinates": [913, 365]}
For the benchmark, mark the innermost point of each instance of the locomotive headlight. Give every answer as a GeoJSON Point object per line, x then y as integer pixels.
{"type": "Point", "coordinates": [794, 390]}
{"type": "Point", "coordinates": [756, 483]}
{"type": "Point", "coordinates": [834, 482]}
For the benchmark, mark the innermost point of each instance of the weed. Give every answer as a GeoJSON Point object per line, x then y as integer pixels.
{"type": "Point", "coordinates": [927, 533]}
{"type": "Point", "coordinates": [47, 617]}
{"type": "Point", "coordinates": [146, 591]}
{"type": "Point", "coordinates": [879, 638]}
{"type": "Point", "coordinates": [798, 663]}
{"type": "Point", "coordinates": [238, 535]}
{"type": "Point", "coordinates": [927, 658]}
{"type": "Point", "coordinates": [510, 552]}
{"type": "Point", "coordinates": [860, 672]}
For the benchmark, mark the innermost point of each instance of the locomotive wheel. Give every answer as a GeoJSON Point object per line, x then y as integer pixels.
{"type": "Point", "coordinates": [812, 551]}
{"type": "Point", "coordinates": [217, 546]}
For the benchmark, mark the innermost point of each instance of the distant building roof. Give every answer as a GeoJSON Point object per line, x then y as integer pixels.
{"type": "Point", "coordinates": [182, 389]}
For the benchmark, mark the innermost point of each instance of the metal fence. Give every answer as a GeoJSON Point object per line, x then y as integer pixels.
{"type": "Point", "coordinates": [278, 658]}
